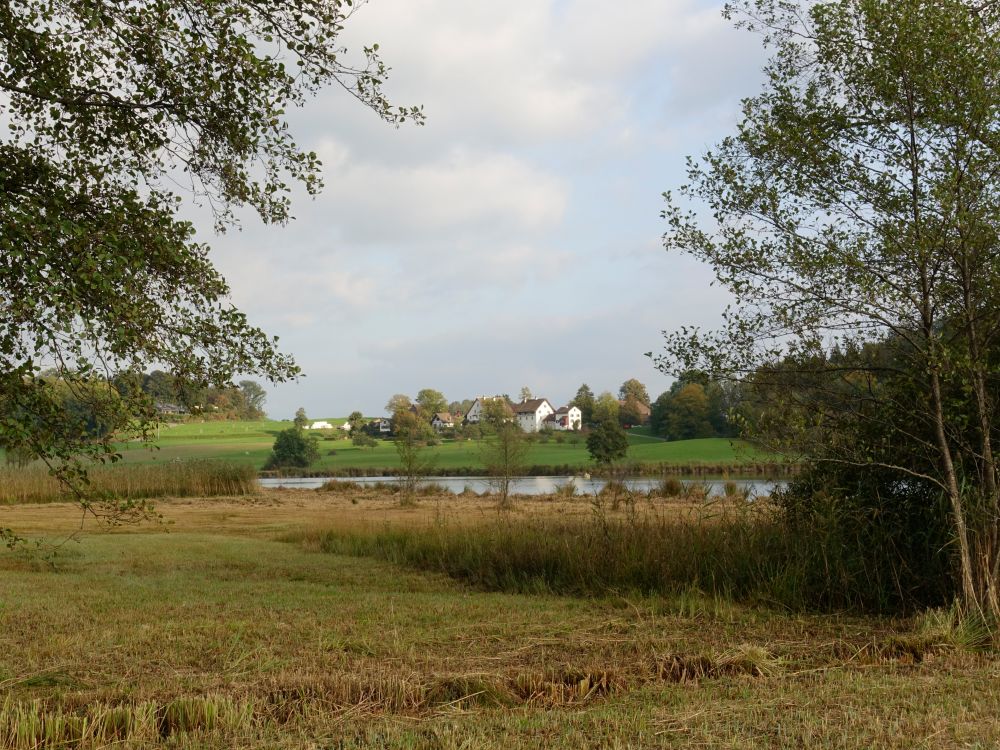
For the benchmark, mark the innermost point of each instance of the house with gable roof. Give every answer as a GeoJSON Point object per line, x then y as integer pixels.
{"type": "Point", "coordinates": [531, 413]}
{"type": "Point", "coordinates": [564, 418]}
{"type": "Point", "coordinates": [442, 420]}
{"type": "Point", "coordinates": [475, 413]}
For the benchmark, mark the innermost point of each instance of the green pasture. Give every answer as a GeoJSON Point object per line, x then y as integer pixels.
{"type": "Point", "coordinates": [250, 443]}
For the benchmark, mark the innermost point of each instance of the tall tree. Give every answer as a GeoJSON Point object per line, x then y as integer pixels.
{"type": "Point", "coordinates": [254, 397]}
{"type": "Point", "coordinates": [632, 388]}
{"type": "Point", "coordinates": [399, 402]}
{"type": "Point", "coordinates": [584, 401]}
{"type": "Point", "coordinates": [859, 202]}
{"type": "Point", "coordinates": [525, 393]}
{"type": "Point", "coordinates": [108, 107]}
{"type": "Point", "coordinates": [431, 402]}
{"type": "Point", "coordinates": [301, 420]}
{"type": "Point", "coordinates": [606, 406]}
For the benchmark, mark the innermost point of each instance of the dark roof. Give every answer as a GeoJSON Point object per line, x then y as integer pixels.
{"type": "Point", "coordinates": [639, 407]}
{"type": "Point", "coordinates": [530, 406]}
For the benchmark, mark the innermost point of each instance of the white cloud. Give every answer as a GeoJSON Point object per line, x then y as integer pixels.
{"type": "Point", "coordinates": [463, 192]}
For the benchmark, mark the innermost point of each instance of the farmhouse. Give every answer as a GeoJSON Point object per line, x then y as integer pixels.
{"type": "Point", "coordinates": [564, 418]}
{"type": "Point", "coordinates": [531, 413]}
{"type": "Point", "coordinates": [442, 420]}
{"type": "Point", "coordinates": [475, 413]}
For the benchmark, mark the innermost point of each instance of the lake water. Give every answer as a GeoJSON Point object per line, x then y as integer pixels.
{"type": "Point", "coordinates": [528, 485]}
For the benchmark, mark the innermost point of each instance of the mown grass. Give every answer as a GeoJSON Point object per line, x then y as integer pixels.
{"type": "Point", "coordinates": [189, 479]}
{"type": "Point", "coordinates": [228, 639]}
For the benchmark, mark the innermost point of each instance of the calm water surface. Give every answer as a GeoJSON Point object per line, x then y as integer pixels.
{"type": "Point", "coordinates": [528, 485]}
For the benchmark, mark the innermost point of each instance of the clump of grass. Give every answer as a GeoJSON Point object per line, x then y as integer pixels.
{"type": "Point", "coordinates": [566, 491]}
{"type": "Point", "coordinates": [732, 491]}
{"type": "Point", "coordinates": [669, 487]}
{"type": "Point", "coordinates": [183, 479]}
{"type": "Point", "coordinates": [340, 486]}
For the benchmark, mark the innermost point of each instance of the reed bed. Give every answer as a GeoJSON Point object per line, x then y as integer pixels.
{"type": "Point", "coordinates": [701, 469]}
{"type": "Point", "coordinates": [745, 553]}
{"type": "Point", "coordinates": [186, 479]}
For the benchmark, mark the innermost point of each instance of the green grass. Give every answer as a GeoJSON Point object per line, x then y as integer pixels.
{"type": "Point", "coordinates": [250, 443]}
{"type": "Point", "coordinates": [219, 640]}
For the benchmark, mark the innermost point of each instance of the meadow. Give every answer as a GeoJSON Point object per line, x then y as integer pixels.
{"type": "Point", "coordinates": [265, 621]}
{"type": "Point", "coordinates": [249, 443]}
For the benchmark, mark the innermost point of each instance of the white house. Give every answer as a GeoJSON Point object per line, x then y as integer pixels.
{"type": "Point", "coordinates": [346, 427]}
{"type": "Point", "coordinates": [475, 413]}
{"type": "Point", "coordinates": [565, 418]}
{"type": "Point", "coordinates": [382, 425]}
{"type": "Point", "coordinates": [531, 413]}
{"type": "Point", "coordinates": [442, 420]}
{"type": "Point", "coordinates": [320, 426]}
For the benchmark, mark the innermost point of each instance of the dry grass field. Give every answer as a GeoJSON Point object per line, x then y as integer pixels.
{"type": "Point", "coordinates": [225, 626]}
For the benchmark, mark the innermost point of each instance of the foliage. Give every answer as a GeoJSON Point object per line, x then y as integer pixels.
{"type": "Point", "coordinates": [605, 407]}
{"type": "Point", "coordinates": [410, 436]}
{"type": "Point", "coordinates": [525, 393]}
{"type": "Point", "coordinates": [301, 421]}
{"type": "Point", "coordinates": [630, 412]}
{"type": "Point", "coordinates": [106, 106]}
{"type": "Point", "coordinates": [607, 442]}
{"type": "Point", "coordinates": [363, 440]}
{"type": "Point", "coordinates": [293, 448]}
{"type": "Point", "coordinates": [859, 204]}
{"type": "Point", "coordinates": [431, 402]}
{"type": "Point", "coordinates": [398, 403]}
{"type": "Point", "coordinates": [584, 401]}
{"type": "Point", "coordinates": [633, 389]}
{"type": "Point", "coordinates": [505, 449]}
{"type": "Point", "coordinates": [254, 397]}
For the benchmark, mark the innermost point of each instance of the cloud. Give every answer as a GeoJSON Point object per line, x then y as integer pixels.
{"type": "Point", "coordinates": [462, 193]}
{"type": "Point", "coordinates": [514, 240]}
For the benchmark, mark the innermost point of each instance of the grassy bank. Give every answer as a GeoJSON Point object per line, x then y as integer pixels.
{"type": "Point", "coordinates": [187, 479]}
{"type": "Point", "coordinates": [217, 636]}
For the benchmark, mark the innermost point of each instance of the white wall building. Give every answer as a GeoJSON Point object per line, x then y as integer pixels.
{"type": "Point", "coordinates": [565, 418]}
{"type": "Point", "coordinates": [531, 414]}
{"type": "Point", "coordinates": [320, 426]}
{"type": "Point", "coordinates": [475, 413]}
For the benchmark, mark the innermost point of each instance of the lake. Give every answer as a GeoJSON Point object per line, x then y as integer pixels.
{"type": "Point", "coordinates": [529, 485]}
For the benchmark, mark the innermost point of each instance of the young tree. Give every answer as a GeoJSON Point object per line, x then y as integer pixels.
{"type": "Point", "coordinates": [104, 106]}
{"type": "Point", "coordinates": [504, 449]}
{"type": "Point", "coordinates": [301, 421]}
{"type": "Point", "coordinates": [607, 442]}
{"type": "Point", "coordinates": [410, 435]}
{"type": "Point", "coordinates": [293, 448]}
{"type": "Point", "coordinates": [857, 204]}
{"type": "Point", "coordinates": [525, 393]}
{"type": "Point", "coordinates": [363, 440]}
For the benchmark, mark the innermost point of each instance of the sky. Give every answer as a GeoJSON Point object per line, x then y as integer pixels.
{"type": "Point", "coordinates": [515, 239]}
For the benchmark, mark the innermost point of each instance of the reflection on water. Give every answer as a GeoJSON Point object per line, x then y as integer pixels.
{"type": "Point", "coordinates": [530, 485]}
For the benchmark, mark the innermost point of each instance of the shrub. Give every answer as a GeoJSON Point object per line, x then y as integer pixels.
{"type": "Point", "coordinates": [293, 448]}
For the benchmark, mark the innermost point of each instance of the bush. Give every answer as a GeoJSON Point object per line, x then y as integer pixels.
{"type": "Point", "coordinates": [293, 448]}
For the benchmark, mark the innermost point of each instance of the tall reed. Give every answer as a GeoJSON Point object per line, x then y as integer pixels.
{"type": "Point", "coordinates": [186, 479]}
